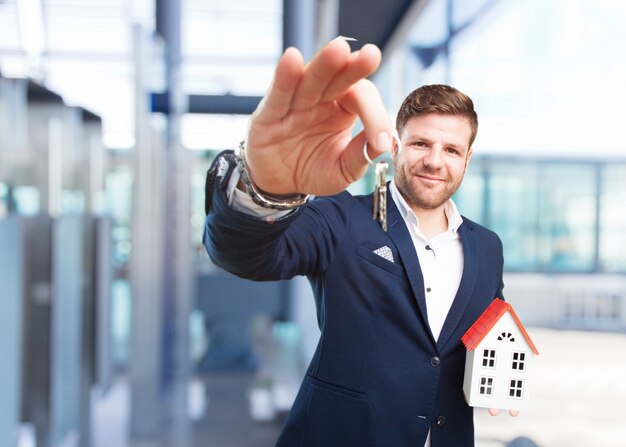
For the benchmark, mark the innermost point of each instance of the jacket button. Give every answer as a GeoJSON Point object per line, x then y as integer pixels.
{"type": "Point", "coordinates": [441, 420]}
{"type": "Point", "coordinates": [435, 361]}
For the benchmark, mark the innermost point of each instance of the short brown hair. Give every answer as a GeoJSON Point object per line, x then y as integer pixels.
{"type": "Point", "coordinates": [437, 98]}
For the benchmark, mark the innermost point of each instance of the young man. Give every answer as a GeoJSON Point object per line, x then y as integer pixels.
{"type": "Point", "coordinates": [392, 305]}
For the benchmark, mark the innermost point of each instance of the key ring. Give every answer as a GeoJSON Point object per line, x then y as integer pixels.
{"type": "Point", "coordinates": [367, 157]}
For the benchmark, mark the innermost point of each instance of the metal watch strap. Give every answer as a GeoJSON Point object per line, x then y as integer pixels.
{"type": "Point", "coordinates": [257, 196]}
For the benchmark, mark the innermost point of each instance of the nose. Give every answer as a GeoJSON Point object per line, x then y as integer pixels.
{"type": "Point", "coordinates": [434, 158]}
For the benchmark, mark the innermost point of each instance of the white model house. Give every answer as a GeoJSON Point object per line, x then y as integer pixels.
{"type": "Point", "coordinates": [499, 360]}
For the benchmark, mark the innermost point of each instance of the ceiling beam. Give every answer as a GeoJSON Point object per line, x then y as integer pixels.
{"type": "Point", "coordinates": [372, 21]}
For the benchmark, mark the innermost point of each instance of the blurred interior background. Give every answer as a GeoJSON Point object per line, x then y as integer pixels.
{"type": "Point", "coordinates": [116, 330]}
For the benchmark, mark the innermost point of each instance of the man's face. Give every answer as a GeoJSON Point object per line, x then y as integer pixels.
{"type": "Point", "coordinates": [435, 153]}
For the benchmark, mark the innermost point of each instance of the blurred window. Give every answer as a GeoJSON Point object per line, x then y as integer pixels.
{"type": "Point", "coordinates": [471, 195]}
{"type": "Point", "coordinates": [27, 200]}
{"type": "Point", "coordinates": [552, 216]}
{"type": "Point", "coordinates": [230, 47]}
{"type": "Point", "coordinates": [612, 238]}
{"type": "Point", "coordinates": [227, 47]}
{"type": "Point", "coordinates": [513, 212]}
{"type": "Point", "coordinates": [566, 217]}
{"type": "Point", "coordinates": [119, 198]}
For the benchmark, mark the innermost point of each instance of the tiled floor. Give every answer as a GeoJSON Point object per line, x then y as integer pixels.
{"type": "Point", "coordinates": [578, 400]}
{"type": "Point", "coordinates": [227, 421]}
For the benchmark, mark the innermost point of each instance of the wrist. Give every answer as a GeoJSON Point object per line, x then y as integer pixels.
{"type": "Point", "coordinates": [241, 186]}
{"type": "Point", "coordinates": [260, 197]}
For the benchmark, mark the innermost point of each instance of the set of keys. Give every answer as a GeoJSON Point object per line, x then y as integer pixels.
{"type": "Point", "coordinates": [380, 183]}
{"type": "Point", "coordinates": [380, 194]}
{"type": "Point", "coordinates": [379, 210]}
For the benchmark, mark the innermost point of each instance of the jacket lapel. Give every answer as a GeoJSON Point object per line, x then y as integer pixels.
{"type": "Point", "coordinates": [399, 234]}
{"type": "Point", "coordinates": [466, 287]}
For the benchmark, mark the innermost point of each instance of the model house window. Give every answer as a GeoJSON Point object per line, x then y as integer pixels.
{"type": "Point", "coordinates": [486, 386]}
{"type": "Point", "coordinates": [507, 336]}
{"type": "Point", "coordinates": [519, 360]}
{"type": "Point", "coordinates": [515, 388]}
{"type": "Point", "coordinates": [489, 358]}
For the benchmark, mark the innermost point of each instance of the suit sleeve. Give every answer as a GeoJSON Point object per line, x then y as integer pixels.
{"type": "Point", "coordinates": [500, 293]}
{"type": "Point", "coordinates": [301, 243]}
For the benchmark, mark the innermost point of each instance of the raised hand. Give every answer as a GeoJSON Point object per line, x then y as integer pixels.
{"type": "Point", "coordinates": [300, 136]}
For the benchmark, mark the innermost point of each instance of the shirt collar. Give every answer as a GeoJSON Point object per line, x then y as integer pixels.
{"type": "Point", "coordinates": [452, 213]}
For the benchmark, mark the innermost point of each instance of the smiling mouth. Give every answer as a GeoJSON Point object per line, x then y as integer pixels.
{"type": "Point", "coordinates": [429, 178]}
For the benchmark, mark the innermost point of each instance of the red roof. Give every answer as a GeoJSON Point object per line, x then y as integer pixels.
{"type": "Point", "coordinates": [487, 321]}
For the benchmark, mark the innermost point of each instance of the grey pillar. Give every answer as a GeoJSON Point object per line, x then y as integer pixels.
{"type": "Point", "coordinates": [299, 26]}
{"type": "Point", "coordinates": [67, 336]}
{"type": "Point", "coordinates": [146, 263]}
{"type": "Point", "coordinates": [11, 278]}
{"type": "Point", "coordinates": [327, 21]}
{"type": "Point", "coordinates": [177, 273]}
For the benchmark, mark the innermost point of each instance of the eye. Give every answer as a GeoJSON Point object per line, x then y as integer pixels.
{"type": "Point", "coordinates": [453, 150]}
{"type": "Point", "coordinates": [419, 144]}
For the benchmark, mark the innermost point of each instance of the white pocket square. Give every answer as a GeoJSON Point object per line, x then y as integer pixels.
{"type": "Point", "coordinates": [385, 252]}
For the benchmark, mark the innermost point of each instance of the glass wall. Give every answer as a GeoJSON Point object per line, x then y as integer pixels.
{"type": "Point", "coordinates": [612, 234]}
{"type": "Point", "coordinates": [567, 217]}
{"type": "Point", "coordinates": [562, 216]}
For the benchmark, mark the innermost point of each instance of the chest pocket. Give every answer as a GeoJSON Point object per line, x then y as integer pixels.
{"type": "Point", "coordinates": [379, 261]}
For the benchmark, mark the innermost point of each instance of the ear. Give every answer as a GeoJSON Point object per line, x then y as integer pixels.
{"type": "Point", "coordinates": [469, 156]}
{"type": "Point", "coordinates": [397, 147]}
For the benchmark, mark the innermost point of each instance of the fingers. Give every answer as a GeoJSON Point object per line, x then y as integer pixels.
{"type": "Point", "coordinates": [277, 101]}
{"type": "Point", "coordinates": [364, 100]}
{"type": "Point", "coordinates": [496, 411]}
{"type": "Point", "coordinates": [328, 76]}
{"type": "Point", "coordinates": [353, 162]}
{"type": "Point", "coordinates": [319, 73]}
{"type": "Point", "coordinates": [360, 64]}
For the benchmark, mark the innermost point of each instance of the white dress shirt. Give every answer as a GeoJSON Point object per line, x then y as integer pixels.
{"type": "Point", "coordinates": [441, 263]}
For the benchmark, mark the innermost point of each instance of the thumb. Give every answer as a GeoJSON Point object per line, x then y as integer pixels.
{"type": "Point", "coordinates": [364, 100]}
{"type": "Point", "coordinates": [353, 162]}
{"type": "Point", "coordinates": [359, 153]}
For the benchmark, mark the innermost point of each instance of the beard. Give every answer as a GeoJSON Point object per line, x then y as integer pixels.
{"type": "Point", "coordinates": [427, 197]}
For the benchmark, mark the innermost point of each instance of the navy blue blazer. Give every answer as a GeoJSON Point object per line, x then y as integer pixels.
{"type": "Point", "coordinates": [378, 377]}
